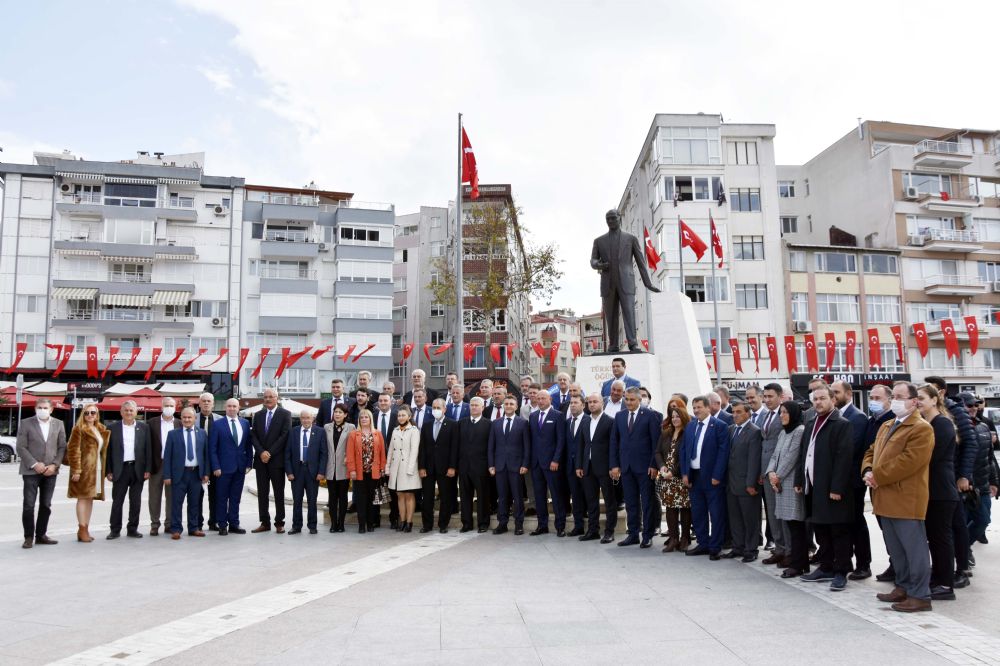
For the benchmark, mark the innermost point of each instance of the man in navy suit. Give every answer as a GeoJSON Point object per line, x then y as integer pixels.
{"type": "Point", "coordinates": [305, 465]}
{"type": "Point", "coordinates": [456, 408]}
{"type": "Point", "coordinates": [421, 410]}
{"type": "Point", "coordinates": [548, 443]}
{"type": "Point", "coordinates": [618, 372]}
{"type": "Point", "coordinates": [633, 443]}
{"type": "Point", "coordinates": [231, 455]}
{"type": "Point", "coordinates": [593, 466]}
{"type": "Point", "coordinates": [704, 459]}
{"type": "Point", "coordinates": [561, 395]}
{"type": "Point", "coordinates": [574, 487]}
{"type": "Point", "coordinates": [185, 470]}
{"type": "Point", "coordinates": [508, 455]}
{"type": "Point", "coordinates": [843, 399]}
{"type": "Point", "coordinates": [337, 397]}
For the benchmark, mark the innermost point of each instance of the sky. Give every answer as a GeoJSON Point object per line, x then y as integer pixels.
{"type": "Point", "coordinates": [557, 96]}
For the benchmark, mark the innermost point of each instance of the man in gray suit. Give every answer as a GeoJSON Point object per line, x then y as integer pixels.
{"type": "Point", "coordinates": [130, 463]}
{"type": "Point", "coordinates": [769, 422]}
{"type": "Point", "coordinates": [612, 256]}
{"type": "Point", "coordinates": [743, 483]}
{"type": "Point", "coordinates": [41, 445]}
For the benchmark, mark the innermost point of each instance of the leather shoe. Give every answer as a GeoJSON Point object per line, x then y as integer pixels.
{"type": "Point", "coordinates": [629, 541]}
{"type": "Point", "coordinates": [912, 605]}
{"type": "Point", "coordinates": [960, 581]}
{"type": "Point", "coordinates": [333, 528]}
{"type": "Point", "coordinates": [942, 593]}
{"type": "Point", "coordinates": [731, 555]}
{"type": "Point", "coordinates": [697, 550]}
{"type": "Point", "coordinates": [113, 535]}
{"type": "Point", "coordinates": [792, 573]}
{"type": "Point", "coordinates": [539, 531]}
{"type": "Point", "coordinates": [312, 530]}
{"type": "Point", "coordinates": [715, 557]}
{"type": "Point", "coordinates": [518, 531]}
{"type": "Point", "coordinates": [483, 529]}
{"type": "Point", "coordinates": [749, 557]}
{"type": "Point", "coordinates": [262, 528]}
{"type": "Point", "coordinates": [294, 530]}
{"type": "Point", "coordinates": [237, 530]}
{"type": "Point", "coordinates": [133, 535]}
{"type": "Point", "coordinates": [560, 533]}
{"type": "Point", "coordinates": [774, 559]}
{"type": "Point", "coordinates": [425, 530]}
{"type": "Point", "coordinates": [500, 529]}
{"type": "Point", "coordinates": [465, 528]}
{"type": "Point", "coordinates": [887, 576]}
{"type": "Point", "coordinates": [279, 529]}
{"type": "Point", "coordinates": [175, 535]}
{"type": "Point", "coordinates": [213, 527]}
{"type": "Point", "coordinates": [646, 543]}
{"type": "Point", "coordinates": [575, 532]}
{"type": "Point", "coordinates": [223, 531]}
{"type": "Point", "coordinates": [607, 538]}
{"type": "Point", "coordinates": [45, 541]}
{"type": "Point", "coordinates": [196, 533]}
{"type": "Point", "coordinates": [860, 574]}
{"type": "Point", "coordinates": [896, 595]}
{"type": "Point", "coordinates": [28, 543]}
{"type": "Point", "coordinates": [443, 530]}
{"type": "Point", "coordinates": [153, 531]}
{"type": "Point", "coordinates": [590, 536]}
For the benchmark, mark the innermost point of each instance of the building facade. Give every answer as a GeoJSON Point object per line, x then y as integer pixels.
{"type": "Point", "coordinates": [591, 332]}
{"type": "Point", "coordinates": [549, 326]}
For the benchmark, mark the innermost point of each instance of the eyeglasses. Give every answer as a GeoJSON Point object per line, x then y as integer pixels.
{"type": "Point", "coordinates": [90, 413]}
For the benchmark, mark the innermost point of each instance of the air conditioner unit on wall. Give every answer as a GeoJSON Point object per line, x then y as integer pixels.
{"type": "Point", "coordinates": [221, 211]}
{"type": "Point", "coordinates": [65, 188]}
{"type": "Point", "coordinates": [803, 326]}
{"type": "Point", "coordinates": [219, 322]}
{"type": "Point", "coordinates": [911, 193]}
{"type": "Point", "coordinates": [324, 247]}
{"type": "Point", "coordinates": [916, 240]}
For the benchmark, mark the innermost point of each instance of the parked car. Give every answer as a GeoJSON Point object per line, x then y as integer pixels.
{"type": "Point", "coordinates": [992, 415]}
{"type": "Point", "coordinates": [7, 447]}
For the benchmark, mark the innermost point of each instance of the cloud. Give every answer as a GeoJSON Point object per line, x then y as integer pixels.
{"type": "Point", "coordinates": [219, 78]}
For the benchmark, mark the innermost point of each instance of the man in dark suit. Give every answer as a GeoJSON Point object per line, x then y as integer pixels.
{"type": "Point", "coordinates": [129, 463]}
{"type": "Point", "coordinates": [185, 471]}
{"type": "Point", "coordinates": [473, 443]}
{"type": "Point", "coordinates": [573, 485]}
{"type": "Point", "coordinates": [364, 384]}
{"type": "Point", "coordinates": [159, 495]}
{"type": "Point", "coordinates": [704, 458]}
{"type": "Point", "coordinates": [421, 410]}
{"type": "Point", "coordinates": [593, 466]}
{"type": "Point", "coordinates": [360, 403]}
{"type": "Point", "coordinates": [508, 455]}
{"type": "Point", "coordinates": [457, 408]}
{"type": "Point", "coordinates": [305, 464]}
{"type": "Point", "coordinates": [419, 382]}
{"type": "Point", "coordinates": [269, 434]}
{"type": "Point", "coordinates": [715, 406]}
{"type": "Point", "coordinates": [843, 400]}
{"type": "Point", "coordinates": [337, 397]}
{"type": "Point", "coordinates": [560, 398]}
{"type": "Point", "coordinates": [385, 421]}
{"type": "Point", "coordinates": [633, 443]}
{"type": "Point", "coordinates": [437, 461]}
{"type": "Point", "coordinates": [769, 421]}
{"type": "Point", "coordinates": [548, 443]}
{"type": "Point", "coordinates": [618, 374]}
{"type": "Point", "coordinates": [744, 490]}
{"type": "Point", "coordinates": [205, 420]}
{"type": "Point", "coordinates": [230, 455]}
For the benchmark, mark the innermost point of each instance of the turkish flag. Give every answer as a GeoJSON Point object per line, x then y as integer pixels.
{"type": "Point", "coordinates": [20, 349]}
{"type": "Point", "coordinates": [575, 346]}
{"type": "Point", "coordinates": [371, 346]}
{"type": "Point", "coordinates": [177, 357]}
{"type": "Point", "coordinates": [715, 354]}
{"type": "Point", "coordinates": [874, 350]}
{"type": "Point", "coordinates": [972, 326]}
{"type": "Point", "coordinates": [66, 352]}
{"type": "Point", "coordinates": [427, 351]}
{"type": "Point", "coordinates": [112, 357]}
{"type": "Point", "coordinates": [692, 240]}
{"type": "Point", "coordinates": [552, 353]}
{"type": "Point", "coordinates": [495, 352]}
{"type": "Point", "coordinates": [131, 361]}
{"type": "Point", "coordinates": [716, 241]}
{"type": "Point", "coordinates": [812, 354]}
{"type": "Point", "coordinates": [187, 366]}
{"type": "Point", "coordinates": [319, 352]}
{"type": "Point", "coordinates": [288, 359]}
{"type": "Point", "coordinates": [442, 349]}
{"type": "Point", "coordinates": [645, 343]}
{"type": "Point", "coordinates": [244, 352]}
{"type": "Point", "coordinates": [752, 343]}
{"type": "Point", "coordinates": [538, 349]}
{"type": "Point", "coordinates": [772, 351]}
{"type": "Point", "coordinates": [152, 364]}
{"type": "Point", "coordinates": [920, 333]}
{"type": "Point", "coordinates": [831, 349]}
{"type": "Point", "coordinates": [652, 256]}
{"type": "Point", "coordinates": [92, 372]}
{"type": "Point", "coordinates": [897, 335]}
{"type": "Point", "coordinates": [264, 351]}
{"type": "Point", "coordinates": [852, 342]}
{"type": "Point", "coordinates": [793, 364]}
{"type": "Point", "coordinates": [407, 350]}
{"type": "Point", "coordinates": [734, 346]}
{"type": "Point", "coordinates": [223, 351]}
{"type": "Point", "coordinates": [469, 351]}
{"type": "Point", "coordinates": [347, 354]}
{"type": "Point", "coordinates": [593, 344]}
{"type": "Point", "coordinates": [950, 338]}
{"type": "Point", "coordinates": [470, 172]}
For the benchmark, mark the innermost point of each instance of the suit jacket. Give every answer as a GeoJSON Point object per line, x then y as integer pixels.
{"type": "Point", "coordinates": [606, 386]}
{"type": "Point", "coordinates": [436, 456]}
{"type": "Point", "coordinates": [548, 439]}
{"type": "Point", "coordinates": [769, 437]}
{"type": "Point", "coordinates": [726, 417]}
{"type": "Point", "coordinates": [316, 456]}
{"type": "Point", "coordinates": [355, 411]}
{"type": "Point", "coordinates": [325, 414]}
{"type": "Point", "coordinates": [634, 451]}
{"type": "Point", "coordinates": [573, 441]}
{"type": "Point", "coordinates": [390, 424]}
{"type": "Point", "coordinates": [714, 450]}
{"type": "Point", "coordinates": [557, 400]}
{"type": "Point", "coordinates": [226, 455]}
{"type": "Point", "coordinates": [432, 395]}
{"type": "Point", "coordinates": [619, 252]}
{"type": "Point", "coordinates": [832, 469]}
{"type": "Point", "coordinates": [175, 455]}
{"type": "Point", "coordinates": [524, 411]}
{"type": "Point", "coordinates": [336, 452]}
{"type": "Point", "coordinates": [473, 444]}
{"type": "Point", "coordinates": [116, 450]}
{"type": "Point", "coordinates": [428, 416]}
{"type": "Point", "coordinates": [450, 410]}
{"type": "Point", "coordinates": [900, 461]}
{"type": "Point", "coordinates": [509, 452]}
{"type": "Point", "coordinates": [593, 454]}
{"type": "Point", "coordinates": [157, 443]}
{"type": "Point", "coordinates": [201, 421]}
{"type": "Point", "coordinates": [859, 426]}
{"type": "Point", "coordinates": [31, 448]}
{"type": "Point", "coordinates": [273, 441]}
{"type": "Point", "coordinates": [744, 458]}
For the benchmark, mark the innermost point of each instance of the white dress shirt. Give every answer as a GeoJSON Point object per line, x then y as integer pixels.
{"type": "Point", "coordinates": [128, 442]}
{"type": "Point", "coordinates": [44, 426]}
{"type": "Point", "coordinates": [166, 425]}
{"type": "Point", "coordinates": [593, 424]}
{"type": "Point", "coordinates": [304, 442]}
{"type": "Point", "coordinates": [612, 408]}
{"type": "Point", "coordinates": [235, 423]}
{"type": "Point", "coordinates": [696, 463]}
{"type": "Point", "coordinates": [190, 461]}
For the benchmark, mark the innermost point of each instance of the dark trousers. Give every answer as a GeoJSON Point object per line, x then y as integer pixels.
{"type": "Point", "coordinates": [960, 537]}
{"type": "Point", "coordinates": [306, 484]}
{"type": "Point", "coordinates": [212, 504]}
{"type": "Point", "coordinates": [363, 489]}
{"type": "Point", "coordinates": [129, 484]}
{"type": "Point", "coordinates": [744, 521]}
{"type": "Point", "coordinates": [798, 548]}
{"type": "Point", "coordinates": [475, 484]}
{"type": "Point", "coordinates": [40, 488]}
{"type": "Point", "coordinates": [939, 540]}
{"type": "Point", "coordinates": [228, 491]}
{"type": "Point", "coordinates": [834, 541]}
{"type": "Point", "coordinates": [979, 519]}
{"type": "Point", "coordinates": [574, 490]}
{"type": "Point", "coordinates": [707, 502]}
{"type": "Point", "coordinates": [444, 486]}
{"type": "Point", "coordinates": [618, 303]}
{"type": "Point", "coordinates": [860, 539]}
{"type": "Point", "coordinates": [270, 475]}
{"type": "Point", "coordinates": [508, 491]}
{"type": "Point", "coordinates": [638, 490]}
{"type": "Point", "coordinates": [592, 484]}
{"type": "Point", "coordinates": [337, 501]}
{"type": "Point", "coordinates": [188, 487]}
{"type": "Point", "coordinates": [546, 480]}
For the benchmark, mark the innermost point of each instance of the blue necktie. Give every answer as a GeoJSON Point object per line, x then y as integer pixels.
{"type": "Point", "coordinates": [232, 429]}
{"type": "Point", "coordinates": [506, 428]}
{"type": "Point", "coordinates": [305, 444]}
{"type": "Point", "coordinates": [267, 422]}
{"type": "Point", "coordinates": [190, 446]}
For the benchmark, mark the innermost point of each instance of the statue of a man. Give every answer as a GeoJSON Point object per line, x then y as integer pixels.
{"type": "Point", "coordinates": [612, 256]}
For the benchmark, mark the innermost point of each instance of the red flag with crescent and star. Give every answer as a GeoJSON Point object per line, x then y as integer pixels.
{"type": "Point", "coordinates": [187, 366]}
{"type": "Point", "coordinates": [131, 361]}
{"type": "Point", "coordinates": [575, 346]}
{"type": "Point", "coordinates": [716, 241]}
{"type": "Point", "coordinates": [972, 326]}
{"type": "Point", "coordinates": [427, 351]}
{"type": "Point", "coordinates": [407, 350]}
{"type": "Point", "coordinates": [652, 256]}
{"type": "Point", "coordinates": [849, 347]}
{"type": "Point", "coordinates": [470, 172]}
{"type": "Point", "coordinates": [152, 363]}
{"type": "Point", "coordinates": [752, 343]}
{"type": "Point", "coordinates": [20, 349]}
{"type": "Point", "coordinates": [734, 346]}
{"type": "Point", "coordinates": [690, 239]}
{"type": "Point", "coordinates": [223, 351]}
{"type": "Point", "coordinates": [950, 338]}
{"type": "Point", "coordinates": [112, 357]}
{"type": "Point", "coordinates": [874, 349]}
{"type": "Point", "coordinates": [244, 353]}
{"type": "Point", "coordinates": [897, 335]}
{"type": "Point", "coordinates": [92, 371]}
{"type": "Point", "coordinates": [264, 351]}
{"type": "Point", "coordinates": [66, 352]}
{"type": "Point", "coordinates": [495, 352]}
{"type": "Point", "coordinates": [790, 359]}
{"type": "Point", "coordinates": [831, 349]}
{"type": "Point", "coordinates": [920, 333]}
{"type": "Point", "coordinates": [812, 354]}
{"type": "Point", "coordinates": [772, 351]}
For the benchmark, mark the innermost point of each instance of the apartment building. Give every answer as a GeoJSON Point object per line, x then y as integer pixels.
{"type": "Point", "coordinates": [591, 333]}
{"type": "Point", "coordinates": [550, 326]}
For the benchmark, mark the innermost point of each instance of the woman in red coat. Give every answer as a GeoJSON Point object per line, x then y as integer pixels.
{"type": "Point", "coordinates": [365, 466]}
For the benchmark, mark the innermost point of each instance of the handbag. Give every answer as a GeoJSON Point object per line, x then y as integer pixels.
{"type": "Point", "coordinates": [381, 494]}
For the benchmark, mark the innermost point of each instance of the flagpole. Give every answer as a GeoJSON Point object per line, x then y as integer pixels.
{"type": "Point", "coordinates": [680, 251]}
{"type": "Point", "coordinates": [715, 310]}
{"type": "Point", "coordinates": [459, 291]}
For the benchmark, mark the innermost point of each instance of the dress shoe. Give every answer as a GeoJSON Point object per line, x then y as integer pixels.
{"type": "Point", "coordinates": [733, 554]}
{"type": "Point", "coordinates": [295, 530]}
{"type": "Point", "coordinates": [312, 530]}
{"type": "Point", "coordinates": [196, 533]}
{"type": "Point", "coordinates": [629, 541]}
{"type": "Point", "coordinates": [465, 528]}
{"type": "Point", "coordinates": [646, 543]}
{"type": "Point", "coordinates": [670, 545]}
{"type": "Point", "coordinates": [683, 544]}
{"type": "Point", "coordinates": [443, 530]}
{"type": "Point", "coordinates": [394, 525]}
{"type": "Point", "coordinates": [697, 550]}
{"type": "Point", "coordinates": [769, 546]}
{"type": "Point", "coordinates": [785, 562]}
{"type": "Point", "coordinates": [425, 530]}
{"type": "Point", "coordinates": [839, 583]}
{"type": "Point", "coordinates": [972, 559]}
{"type": "Point", "coordinates": [333, 528]}
{"type": "Point", "coordinates": [279, 529]}
{"type": "Point", "coordinates": [942, 593]}
{"type": "Point", "coordinates": [500, 529]}
{"type": "Point", "coordinates": [213, 527]}
{"type": "Point", "coordinates": [133, 535]}
{"type": "Point", "coordinates": [28, 543]}
{"type": "Point", "coordinates": [715, 557]}
{"type": "Point", "coordinates": [175, 535]}
{"type": "Point", "coordinates": [774, 559]}
{"type": "Point", "coordinates": [560, 533]}
{"type": "Point", "coordinates": [607, 538]}
{"type": "Point", "coordinates": [817, 576]}
{"type": "Point", "coordinates": [589, 536]}
{"type": "Point", "coordinates": [912, 605]}
{"type": "Point", "coordinates": [113, 535]}
{"type": "Point", "coordinates": [897, 594]}
{"type": "Point", "coordinates": [539, 531]}
{"type": "Point", "coordinates": [887, 576]}
{"type": "Point", "coordinates": [154, 531]}
{"type": "Point", "coordinates": [860, 574]}
{"type": "Point", "coordinates": [237, 530]}
{"type": "Point", "coordinates": [749, 557]}
{"type": "Point", "coordinates": [483, 529]}
{"type": "Point", "coordinates": [960, 581]}
{"type": "Point", "coordinates": [965, 572]}
{"type": "Point", "coordinates": [340, 528]}
{"type": "Point", "coordinates": [518, 531]}
{"type": "Point", "coordinates": [575, 532]}
{"type": "Point", "coordinates": [44, 540]}
{"type": "Point", "coordinates": [262, 528]}
{"type": "Point", "coordinates": [792, 573]}
{"type": "Point", "coordinates": [361, 529]}
{"type": "Point", "coordinates": [814, 558]}
{"type": "Point", "coordinates": [223, 531]}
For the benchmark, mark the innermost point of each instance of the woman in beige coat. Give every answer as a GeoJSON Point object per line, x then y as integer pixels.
{"type": "Point", "coordinates": [85, 454]}
{"type": "Point", "coordinates": [402, 465]}
{"type": "Point", "coordinates": [338, 432]}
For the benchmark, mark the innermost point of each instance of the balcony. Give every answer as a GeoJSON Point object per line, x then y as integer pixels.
{"type": "Point", "coordinates": [89, 241]}
{"type": "Point", "coordinates": [962, 374]}
{"type": "Point", "coordinates": [957, 201]}
{"type": "Point", "coordinates": [934, 331]}
{"type": "Point", "coordinates": [941, 155]}
{"type": "Point", "coordinates": [954, 285]}
{"type": "Point", "coordinates": [288, 236]}
{"type": "Point", "coordinates": [947, 240]}
{"type": "Point", "coordinates": [279, 273]}
{"type": "Point", "coordinates": [288, 243]}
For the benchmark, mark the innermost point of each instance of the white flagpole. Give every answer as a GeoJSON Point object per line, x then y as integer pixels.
{"type": "Point", "coordinates": [715, 305]}
{"type": "Point", "coordinates": [680, 251]}
{"type": "Point", "coordinates": [459, 290]}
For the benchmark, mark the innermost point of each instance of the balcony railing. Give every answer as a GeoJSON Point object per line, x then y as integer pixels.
{"type": "Point", "coordinates": [76, 313]}
{"type": "Point", "coordinates": [176, 240]}
{"type": "Point", "coordinates": [83, 197]}
{"type": "Point", "coordinates": [176, 202]}
{"type": "Point", "coordinates": [125, 315]}
{"type": "Point", "coordinates": [953, 280]}
{"type": "Point", "coordinates": [279, 273]}
{"type": "Point", "coordinates": [292, 199]}
{"type": "Point", "coordinates": [366, 205]}
{"type": "Point", "coordinates": [953, 235]}
{"type": "Point", "coordinates": [288, 236]}
{"type": "Point", "coordinates": [137, 278]}
{"type": "Point", "coordinates": [932, 146]}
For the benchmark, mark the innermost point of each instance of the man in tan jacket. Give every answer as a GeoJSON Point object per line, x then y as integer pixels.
{"type": "Point", "coordinates": [896, 469]}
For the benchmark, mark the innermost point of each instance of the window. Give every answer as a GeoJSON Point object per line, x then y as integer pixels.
{"type": "Point", "coordinates": [399, 314]}
{"type": "Point", "coordinates": [400, 256]}
{"type": "Point", "coordinates": [125, 345]}
{"type": "Point", "coordinates": [991, 359]}
{"type": "Point", "coordinates": [363, 235]}
{"type": "Point", "coordinates": [30, 303]}
{"type": "Point", "coordinates": [880, 263]}
{"type": "Point", "coordinates": [928, 183]}
{"type": "Point", "coordinates": [398, 369]}
{"type": "Point", "coordinates": [989, 230]}
{"type": "Point", "coordinates": [744, 343]}
{"type": "Point", "coordinates": [365, 271]}
{"type": "Point", "coordinates": [789, 225]}
{"type": "Point", "coordinates": [257, 340]}
{"type": "Point", "coordinates": [837, 308]}
{"type": "Point", "coordinates": [397, 341]}
{"type": "Point", "coordinates": [989, 270]}
{"type": "Point", "coordinates": [797, 261]}
{"type": "Point", "coordinates": [437, 249]}
{"type": "Point", "coordinates": [688, 145]}
{"type": "Point", "coordinates": [129, 273]}
{"type": "Point", "coordinates": [836, 262]}
{"type": "Point", "coordinates": [890, 357]}
{"type": "Point", "coordinates": [748, 248]}
{"type": "Point", "coordinates": [437, 369]}
{"type": "Point", "coordinates": [692, 188]}
{"type": "Point", "coordinates": [214, 308]}
{"type": "Point", "coordinates": [437, 310]}
{"type": "Point", "coordinates": [292, 380]}
{"type": "Point", "coordinates": [882, 309]}
{"type": "Point", "coordinates": [786, 189]}
{"type": "Point", "coordinates": [742, 152]}
{"type": "Point", "coordinates": [746, 200]}
{"type": "Point", "coordinates": [135, 232]}
{"type": "Point", "coordinates": [924, 224]}
{"type": "Point", "coordinates": [479, 360]}
{"type": "Point", "coordinates": [933, 312]}
{"type": "Point", "coordinates": [171, 345]}
{"type": "Point", "coordinates": [36, 343]}
{"type": "Point", "coordinates": [722, 344]}
{"type": "Point", "coordinates": [399, 284]}
{"type": "Point", "coordinates": [32, 265]}
{"type": "Point", "coordinates": [212, 346]}
{"type": "Point", "coordinates": [751, 296]}
{"type": "Point", "coordinates": [282, 270]}
{"type": "Point", "coordinates": [839, 356]}
{"type": "Point", "coordinates": [989, 316]}
{"type": "Point", "coordinates": [937, 359]}
{"type": "Point", "coordinates": [130, 194]}
{"type": "Point", "coordinates": [87, 194]}
{"type": "Point", "coordinates": [699, 288]}
{"type": "Point", "coordinates": [800, 306]}
{"type": "Point", "coordinates": [364, 307]}
{"type": "Point", "coordinates": [177, 310]}
{"type": "Point", "coordinates": [437, 337]}
{"type": "Point", "coordinates": [474, 321]}
{"type": "Point", "coordinates": [179, 201]}
{"type": "Point", "coordinates": [81, 342]}
{"type": "Point", "coordinates": [435, 222]}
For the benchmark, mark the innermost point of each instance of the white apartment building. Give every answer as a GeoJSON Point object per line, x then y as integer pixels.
{"type": "Point", "coordinates": [548, 326]}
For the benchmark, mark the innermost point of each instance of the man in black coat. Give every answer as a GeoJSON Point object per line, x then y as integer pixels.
{"type": "Point", "coordinates": [473, 465]}
{"type": "Point", "coordinates": [129, 464]}
{"type": "Point", "coordinates": [269, 434]}
{"type": "Point", "coordinates": [337, 397]}
{"type": "Point", "coordinates": [843, 400]}
{"type": "Point", "coordinates": [593, 467]}
{"type": "Point", "coordinates": [437, 460]}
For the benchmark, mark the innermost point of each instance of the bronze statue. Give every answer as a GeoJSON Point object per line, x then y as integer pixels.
{"type": "Point", "coordinates": [612, 256]}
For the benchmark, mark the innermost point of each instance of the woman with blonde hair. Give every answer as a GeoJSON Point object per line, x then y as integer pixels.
{"type": "Point", "coordinates": [402, 465]}
{"type": "Point", "coordinates": [365, 466]}
{"type": "Point", "coordinates": [669, 486]}
{"type": "Point", "coordinates": [86, 454]}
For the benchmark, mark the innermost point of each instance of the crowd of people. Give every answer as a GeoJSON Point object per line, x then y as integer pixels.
{"type": "Point", "coordinates": [719, 468]}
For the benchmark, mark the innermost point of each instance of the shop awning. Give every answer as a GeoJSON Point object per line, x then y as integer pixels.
{"type": "Point", "coordinates": [130, 181]}
{"type": "Point", "coordinates": [74, 293]}
{"type": "Point", "coordinates": [125, 259]}
{"type": "Point", "coordinates": [171, 297]}
{"type": "Point", "coordinates": [192, 390]}
{"type": "Point", "coordinates": [175, 257]}
{"type": "Point", "coordinates": [131, 300]}
{"type": "Point", "coordinates": [127, 389]}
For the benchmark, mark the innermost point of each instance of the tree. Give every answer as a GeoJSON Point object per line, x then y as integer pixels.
{"type": "Point", "coordinates": [500, 266]}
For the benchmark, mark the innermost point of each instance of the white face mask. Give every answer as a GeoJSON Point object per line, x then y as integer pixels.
{"type": "Point", "coordinates": [437, 413]}
{"type": "Point", "coordinates": [899, 407]}
{"type": "Point", "coordinates": [168, 412]}
{"type": "Point", "coordinates": [42, 413]}
{"type": "Point", "coordinates": [644, 402]}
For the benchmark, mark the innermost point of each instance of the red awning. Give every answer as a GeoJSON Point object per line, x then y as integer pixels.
{"type": "Point", "coordinates": [9, 398]}
{"type": "Point", "coordinates": [146, 399]}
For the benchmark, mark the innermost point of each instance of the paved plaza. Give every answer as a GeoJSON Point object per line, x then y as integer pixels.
{"type": "Point", "coordinates": [454, 598]}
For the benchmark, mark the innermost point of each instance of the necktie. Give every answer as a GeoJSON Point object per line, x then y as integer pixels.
{"type": "Point", "coordinates": [767, 421]}
{"type": "Point", "coordinates": [498, 412]}
{"type": "Point", "coordinates": [207, 419]}
{"type": "Point", "coordinates": [305, 444]}
{"type": "Point", "coordinates": [574, 425]}
{"type": "Point", "coordinates": [267, 422]}
{"type": "Point", "coordinates": [739, 429]}
{"type": "Point", "coordinates": [190, 446]}
{"type": "Point", "coordinates": [697, 432]}
{"type": "Point", "coordinates": [506, 428]}
{"type": "Point", "coordinates": [631, 420]}
{"type": "Point", "coordinates": [381, 423]}
{"type": "Point", "coordinates": [541, 418]}
{"type": "Point", "coordinates": [232, 429]}
{"type": "Point", "coordinates": [562, 398]}
{"type": "Point", "coordinates": [437, 429]}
